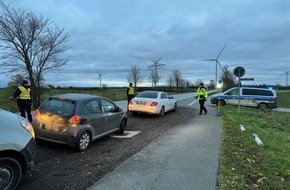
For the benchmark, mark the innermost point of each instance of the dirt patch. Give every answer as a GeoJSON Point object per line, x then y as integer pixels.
{"type": "Point", "coordinates": [61, 167]}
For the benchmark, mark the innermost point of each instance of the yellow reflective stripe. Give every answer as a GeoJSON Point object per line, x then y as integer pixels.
{"type": "Point", "coordinates": [201, 92]}
{"type": "Point", "coordinates": [25, 93]}
{"type": "Point", "coordinates": [131, 91]}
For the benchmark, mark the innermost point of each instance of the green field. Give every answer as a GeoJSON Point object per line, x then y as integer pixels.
{"type": "Point", "coordinates": [244, 164]}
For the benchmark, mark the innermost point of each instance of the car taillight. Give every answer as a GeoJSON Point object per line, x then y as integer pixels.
{"type": "Point", "coordinates": [74, 120]}
{"type": "Point", "coordinates": [37, 113]}
{"type": "Point", "coordinates": [154, 104]}
{"type": "Point", "coordinates": [131, 102]}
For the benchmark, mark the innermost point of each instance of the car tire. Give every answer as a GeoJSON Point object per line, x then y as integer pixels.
{"type": "Point", "coordinates": [10, 172]}
{"type": "Point", "coordinates": [162, 111]}
{"type": "Point", "coordinates": [122, 126]}
{"type": "Point", "coordinates": [175, 107]}
{"type": "Point", "coordinates": [263, 106]}
{"type": "Point", "coordinates": [84, 141]}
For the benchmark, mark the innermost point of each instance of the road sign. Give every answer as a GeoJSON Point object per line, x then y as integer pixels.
{"type": "Point", "coordinates": [247, 79]}
{"type": "Point", "coordinates": [239, 71]}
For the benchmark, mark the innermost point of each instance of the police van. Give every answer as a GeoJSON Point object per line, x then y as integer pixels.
{"type": "Point", "coordinates": [262, 98]}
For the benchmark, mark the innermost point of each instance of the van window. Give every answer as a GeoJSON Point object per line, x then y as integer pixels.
{"type": "Point", "coordinates": [233, 92]}
{"type": "Point", "coordinates": [257, 92]}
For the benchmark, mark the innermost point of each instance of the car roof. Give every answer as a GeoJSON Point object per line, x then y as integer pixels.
{"type": "Point", "coordinates": [151, 91]}
{"type": "Point", "coordinates": [76, 96]}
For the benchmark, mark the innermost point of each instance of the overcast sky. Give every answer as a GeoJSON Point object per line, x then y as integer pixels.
{"type": "Point", "coordinates": [111, 36]}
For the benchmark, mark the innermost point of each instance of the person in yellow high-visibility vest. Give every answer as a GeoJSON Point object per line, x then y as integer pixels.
{"type": "Point", "coordinates": [24, 102]}
{"type": "Point", "coordinates": [201, 97]}
{"type": "Point", "coordinates": [130, 93]}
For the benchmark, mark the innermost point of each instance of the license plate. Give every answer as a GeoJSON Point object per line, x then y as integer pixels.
{"type": "Point", "coordinates": [140, 103]}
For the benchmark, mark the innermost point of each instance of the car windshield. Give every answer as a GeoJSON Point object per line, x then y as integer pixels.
{"type": "Point", "coordinates": [61, 107]}
{"type": "Point", "coordinates": [147, 95]}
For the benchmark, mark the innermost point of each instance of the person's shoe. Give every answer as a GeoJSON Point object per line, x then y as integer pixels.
{"type": "Point", "coordinates": [205, 112]}
{"type": "Point", "coordinates": [200, 114]}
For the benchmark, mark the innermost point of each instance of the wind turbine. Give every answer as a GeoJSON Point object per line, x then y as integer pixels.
{"type": "Point", "coordinates": [100, 78]}
{"type": "Point", "coordinates": [216, 62]}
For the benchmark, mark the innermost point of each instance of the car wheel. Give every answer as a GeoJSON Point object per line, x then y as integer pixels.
{"type": "Point", "coordinates": [162, 111]}
{"type": "Point", "coordinates": [122, 126]}
{"type": "Point", "coordinates": [175, 107]}
{"type": "Point", "coordinates": [84, 141]}
{"type": "Point", "coordinates": [263, 106]}
{"type": "Point", "coordinates": [10, 172]}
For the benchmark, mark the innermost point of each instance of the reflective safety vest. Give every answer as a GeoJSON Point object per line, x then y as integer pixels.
{"type": "Point", "coordinates": [131, 91]}
{"type": "Point", "coordinates": [201, 93]}
{"type": "Point", "coordinates": [25, 93]}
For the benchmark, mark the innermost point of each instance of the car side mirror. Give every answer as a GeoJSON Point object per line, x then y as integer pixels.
{"type": "Point", "coordinates": [118, 109]}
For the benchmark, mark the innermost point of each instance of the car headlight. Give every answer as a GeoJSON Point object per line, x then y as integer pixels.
{"type": "Point", "coordinates": [27, 125]}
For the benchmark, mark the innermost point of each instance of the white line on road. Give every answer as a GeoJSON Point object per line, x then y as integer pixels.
{"type": "Point", "coordinates": [192, 103]}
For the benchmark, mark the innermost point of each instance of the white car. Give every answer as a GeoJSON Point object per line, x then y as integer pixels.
{"type": "Point", "coordinates": [17, 148]}
{"type": "Point", "coordinates": [152, 102]}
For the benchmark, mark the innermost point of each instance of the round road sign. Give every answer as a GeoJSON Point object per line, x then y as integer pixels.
{"type": "Point", "coordinates": [239, 71]}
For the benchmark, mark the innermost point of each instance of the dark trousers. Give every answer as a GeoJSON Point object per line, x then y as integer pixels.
{"type": "Point", "coordinates": [129, 97]}
{"type": "Point", "coordinates": [201, 106]}
{"type": "Point", "coordinates": [25, 108]}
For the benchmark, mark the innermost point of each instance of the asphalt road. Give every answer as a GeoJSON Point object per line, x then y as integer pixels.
{"type": "Point", "coordinates": [186, 157]}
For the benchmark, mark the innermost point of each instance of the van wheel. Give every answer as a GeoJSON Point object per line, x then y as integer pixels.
{"type": "Point", "coordinates": [84, 141]}
{"type": "Point", "coordinates": [220, 102]}
{"type": "Point", "coordinates": [10, 172]}
{"type": "Point", "coordinates": [263, 106]}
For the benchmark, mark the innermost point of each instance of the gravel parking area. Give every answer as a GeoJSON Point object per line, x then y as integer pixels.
{"type": "Point", "coordinates": [60, 167]}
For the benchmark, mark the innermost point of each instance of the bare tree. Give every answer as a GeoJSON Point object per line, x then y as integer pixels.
{"type": "Point", "coordinates": [211, 85]}
{"type": "Point", "coordinates": [134, 76]}
{"type": "Point", "coordinates": [176, 74]}
{"type": "Point", "coordinates": [228, 78]}
{"type": "Point", "coordinates": [30, 46]}
{"type": "Point", "coordinates": [16, 80]}
{"type": "Point", "coordinates": [170, 81]}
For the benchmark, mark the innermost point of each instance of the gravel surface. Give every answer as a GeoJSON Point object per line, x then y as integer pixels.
{"type": "Point", "coordinates": [61, 167]}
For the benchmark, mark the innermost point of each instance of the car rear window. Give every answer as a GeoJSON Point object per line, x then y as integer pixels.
{"type": "Point", "coordinates": [147, 95]}
{"type": "Point", "coordinates": [58, 106]}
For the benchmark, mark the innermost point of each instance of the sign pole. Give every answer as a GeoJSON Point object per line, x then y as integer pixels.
{"type": "Point", "coordinates": [239, 72]}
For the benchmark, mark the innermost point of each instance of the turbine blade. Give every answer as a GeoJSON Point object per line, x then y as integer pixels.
{"type": "Point", "coordinates": [207, 60]}
{"type": "Point", "coordinates": [221, 51]}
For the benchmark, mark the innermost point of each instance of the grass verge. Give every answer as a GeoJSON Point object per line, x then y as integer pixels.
{"type": "Point", "coordinates": [244, 164]}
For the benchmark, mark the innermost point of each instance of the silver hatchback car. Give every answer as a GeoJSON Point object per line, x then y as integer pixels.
{"type": "Point", "coordinates": [17, 149]}
{"type": "Point", "coordinates": [77, 119]}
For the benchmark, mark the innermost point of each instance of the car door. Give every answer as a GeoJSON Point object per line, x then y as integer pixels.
{"type": "Point", "coordinates": [232, 97]}
{"type": "Point", "coordinates": [163, 100]}
{"type": "Point", "coordinates": [169, 102]}
{"type": "Point", "coordinates": [112, 117]}
{"type": "Point", "coordinates": [97, 117]}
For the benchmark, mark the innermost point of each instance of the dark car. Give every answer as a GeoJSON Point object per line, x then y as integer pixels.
{"type": "Point", "coordinates": [17, 149]}
{"type": "Point", "coordinates": [77, 119]}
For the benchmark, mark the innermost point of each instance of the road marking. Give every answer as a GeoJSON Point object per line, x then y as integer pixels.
{"type": "Point", "coordinates": [126, 134]}
{"type": "Point", "coordinates": [192, 103]}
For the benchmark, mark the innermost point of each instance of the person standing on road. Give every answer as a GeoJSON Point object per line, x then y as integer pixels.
{"type": "Point", "coordinates": [201, 97]}
{"type": "Point", "coordinates": [130, 93]}
{"type": "Point", "coordinates": [24, 102]}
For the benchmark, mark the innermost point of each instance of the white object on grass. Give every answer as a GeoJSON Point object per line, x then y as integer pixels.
{"type": "Point", "coordinates": [257, 139]}
{"type": "Point", "coordinates": [242, 128]}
